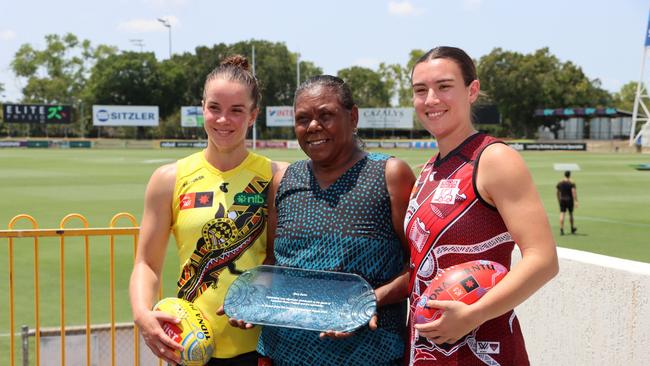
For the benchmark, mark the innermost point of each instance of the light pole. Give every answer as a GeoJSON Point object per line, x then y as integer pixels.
{"type": "Point", "coordinates": [297, 70]}
{"type": "Point", "coordinates": [138, 43]}
{"type": "Point", "coordinates": [166, 23]}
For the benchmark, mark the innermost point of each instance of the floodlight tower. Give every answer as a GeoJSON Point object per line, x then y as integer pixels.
{"type": "Point", "coordinates": [138, 43]}
{"type": "Point", "coordinates": [641, 93]}
{"type": "Point", "coordinates": [165, 22]}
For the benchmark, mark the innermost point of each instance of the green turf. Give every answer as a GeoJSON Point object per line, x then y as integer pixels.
{"type": "Point", "coordinates": [613, 218]}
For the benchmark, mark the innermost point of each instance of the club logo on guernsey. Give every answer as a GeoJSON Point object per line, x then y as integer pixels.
{"type": "Point", "coordinates": [446, 192]}
{"type": "Point", "coordinates": [196, 200]}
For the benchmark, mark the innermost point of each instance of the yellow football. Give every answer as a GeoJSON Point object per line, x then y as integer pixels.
{"type": "Point", "coordinates": [193, 332]}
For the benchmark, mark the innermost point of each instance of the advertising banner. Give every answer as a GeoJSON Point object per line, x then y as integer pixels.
{"type": "Point", "coordinates": [553, 146]}
{"type": "Point", "coordinates": [183, 144]}
{"type": "Point", "coordinates": [385, 118]}
{"type": "Point", "coordinates": [37, 113]}
{"type": "Point", "coordinates": [191, 117]}
{"type": "Point", "coordinates": [279, 116]}
{"type": "Point", "coordinates": [13, 143]}
{"type": "Point", "coordinates": [125, 115]}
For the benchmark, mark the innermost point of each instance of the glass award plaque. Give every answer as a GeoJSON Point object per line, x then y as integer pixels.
{"type": "Point", "coordinates": [300, 298]}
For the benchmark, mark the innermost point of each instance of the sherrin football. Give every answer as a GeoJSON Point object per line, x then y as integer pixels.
{"type": "Point", "coordinates": [466, 282]}
{"type": "Point", "coordinates": [193, 332]}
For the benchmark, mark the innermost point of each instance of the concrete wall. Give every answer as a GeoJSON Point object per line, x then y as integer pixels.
{"type": "Point", "coordinates": [595, 312]}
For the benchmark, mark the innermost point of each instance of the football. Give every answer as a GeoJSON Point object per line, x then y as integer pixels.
{"type": "Point", "coordinates": [193, 332]}
{"type": "Point", "coordinates": [466, 282]}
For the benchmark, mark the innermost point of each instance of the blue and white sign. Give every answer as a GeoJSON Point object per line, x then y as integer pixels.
{"type": "Point", "coordinates": [385, 118]}
{"type": "Point", "coordinates": [125, 115]}
{"type": "Point", "coordinates": [281, 116]}
{"type": "Point", "coordinates": [191, 117]}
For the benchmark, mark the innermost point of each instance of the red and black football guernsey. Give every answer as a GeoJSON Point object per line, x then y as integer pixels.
{"type": "Point", "coordinates": [448, 223]}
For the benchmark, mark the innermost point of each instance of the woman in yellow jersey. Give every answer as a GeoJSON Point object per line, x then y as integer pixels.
{"type": "Point", "coordinates": [214, 202]}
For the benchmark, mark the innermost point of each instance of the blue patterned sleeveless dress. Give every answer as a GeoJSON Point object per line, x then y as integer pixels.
{"type": "Point", "coordinates": [346, 227]}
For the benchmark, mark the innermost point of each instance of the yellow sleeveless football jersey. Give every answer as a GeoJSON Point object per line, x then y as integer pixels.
{"type": "Point", "coordinates": [219, 222]}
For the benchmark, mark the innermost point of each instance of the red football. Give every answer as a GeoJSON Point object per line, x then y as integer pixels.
{"type": "Point", "coordinates": [466, 282]}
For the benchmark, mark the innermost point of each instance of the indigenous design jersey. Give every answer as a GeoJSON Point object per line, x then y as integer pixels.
{"type": "Point", "coordinates": [219, 221]}
{"type": "Point", "coordinates": [448, 223]}
{"type": "Point", "coordinates": [347, 228]}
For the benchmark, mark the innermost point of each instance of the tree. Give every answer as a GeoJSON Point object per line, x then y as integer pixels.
{"type": "Point", "coordinates": [624, 99]}
{"type": "Point", "coordinates": [58, 73]}
{"type": "Point", "coordinates": [129, 78]}
{"type": "Point", "coordinates": [519, 84]}
{"type": "Point", "coordinates": [398, 83]}
{"type": "Point", "coordinates": [275, 69]}
{"type": "Point", "coordinates": [368, 89]}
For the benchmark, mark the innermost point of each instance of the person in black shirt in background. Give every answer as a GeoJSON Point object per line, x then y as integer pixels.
{"type": "Point", "coordinates": [568, 198]}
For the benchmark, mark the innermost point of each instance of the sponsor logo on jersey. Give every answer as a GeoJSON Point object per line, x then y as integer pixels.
{"type": "Point", "coordinates": [250, 199]}
{"type": "Point", "coordinates": [196, 200]}
{"type": "Point", "coordinates": [492, 348]}
{"type": "Point", "coordinates": [418, 234]}
{"type": "Point", "coordinates": [191, 181]}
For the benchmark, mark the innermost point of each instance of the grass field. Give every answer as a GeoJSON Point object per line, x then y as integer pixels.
{"type": "Point", "coordinates": [613, 217]}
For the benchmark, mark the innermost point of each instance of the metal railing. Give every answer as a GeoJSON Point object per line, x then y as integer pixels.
{"type": "Point", "coordinates": [63, 233]}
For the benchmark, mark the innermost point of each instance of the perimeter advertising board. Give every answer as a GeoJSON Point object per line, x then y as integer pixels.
{"type": "Point", "coordinates": [191, 117]}
{"type": "Point", "coordinates": [279, 116]}
{"type": "Point", "coordinates": [385, 118]}
{"type": "Point", "coordinates": [125, 115]}
{"type": "Point", "coordinates": [37, 113]}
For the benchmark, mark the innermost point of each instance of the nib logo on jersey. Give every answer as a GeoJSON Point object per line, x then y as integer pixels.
{"type": "Point", "coordinates": [196, 200]}
{"type": "Point", "coordinates": [250, 199]}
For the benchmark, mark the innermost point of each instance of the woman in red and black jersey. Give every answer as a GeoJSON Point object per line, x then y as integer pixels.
{"type": "Point", "coordinates": [474, 200]}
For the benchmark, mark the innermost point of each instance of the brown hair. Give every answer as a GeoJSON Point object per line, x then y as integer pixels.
{"type": "Point", "coordinates": [236, 68]}
{"type": "Point", "coordinates": [462, 59]}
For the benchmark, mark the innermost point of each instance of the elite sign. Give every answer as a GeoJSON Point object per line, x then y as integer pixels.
{"type": "Point", "coordinates": [37, 113]}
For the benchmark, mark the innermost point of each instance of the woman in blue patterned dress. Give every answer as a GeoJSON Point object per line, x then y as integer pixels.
{"type": "Point", "coordinates": [340, 210]}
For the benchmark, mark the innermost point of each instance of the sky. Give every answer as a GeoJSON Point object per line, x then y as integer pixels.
{"type": "Point", "coordinates": [604, 37]}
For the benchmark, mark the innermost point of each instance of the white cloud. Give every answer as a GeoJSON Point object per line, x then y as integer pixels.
{"type": "Point", "coordinates": [472, 5]}
{"type": "Point", "coordinates": [7, 35]}
{"type": "Point", "coordinates": [402, 8]}
{"type": "Point", "coordinates": [147, 25]}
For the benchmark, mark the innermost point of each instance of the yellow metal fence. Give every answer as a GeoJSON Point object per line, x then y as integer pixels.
{"type": "Point", "coordinates": [63, 233]}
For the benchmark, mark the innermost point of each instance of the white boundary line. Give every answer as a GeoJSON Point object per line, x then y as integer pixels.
{"type": "Point", "coordinates": [600, 219]}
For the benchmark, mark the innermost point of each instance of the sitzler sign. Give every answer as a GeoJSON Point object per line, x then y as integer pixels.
{"type": "Point", "coordinates": [37, 113]}
{"type": "Point", "coordinates": [125, 115]}
{"type": "Point", "coordinates": [385, 118]}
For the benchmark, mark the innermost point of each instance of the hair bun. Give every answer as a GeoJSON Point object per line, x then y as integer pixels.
{"type": "Point", "coordinates": [236, 61]}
